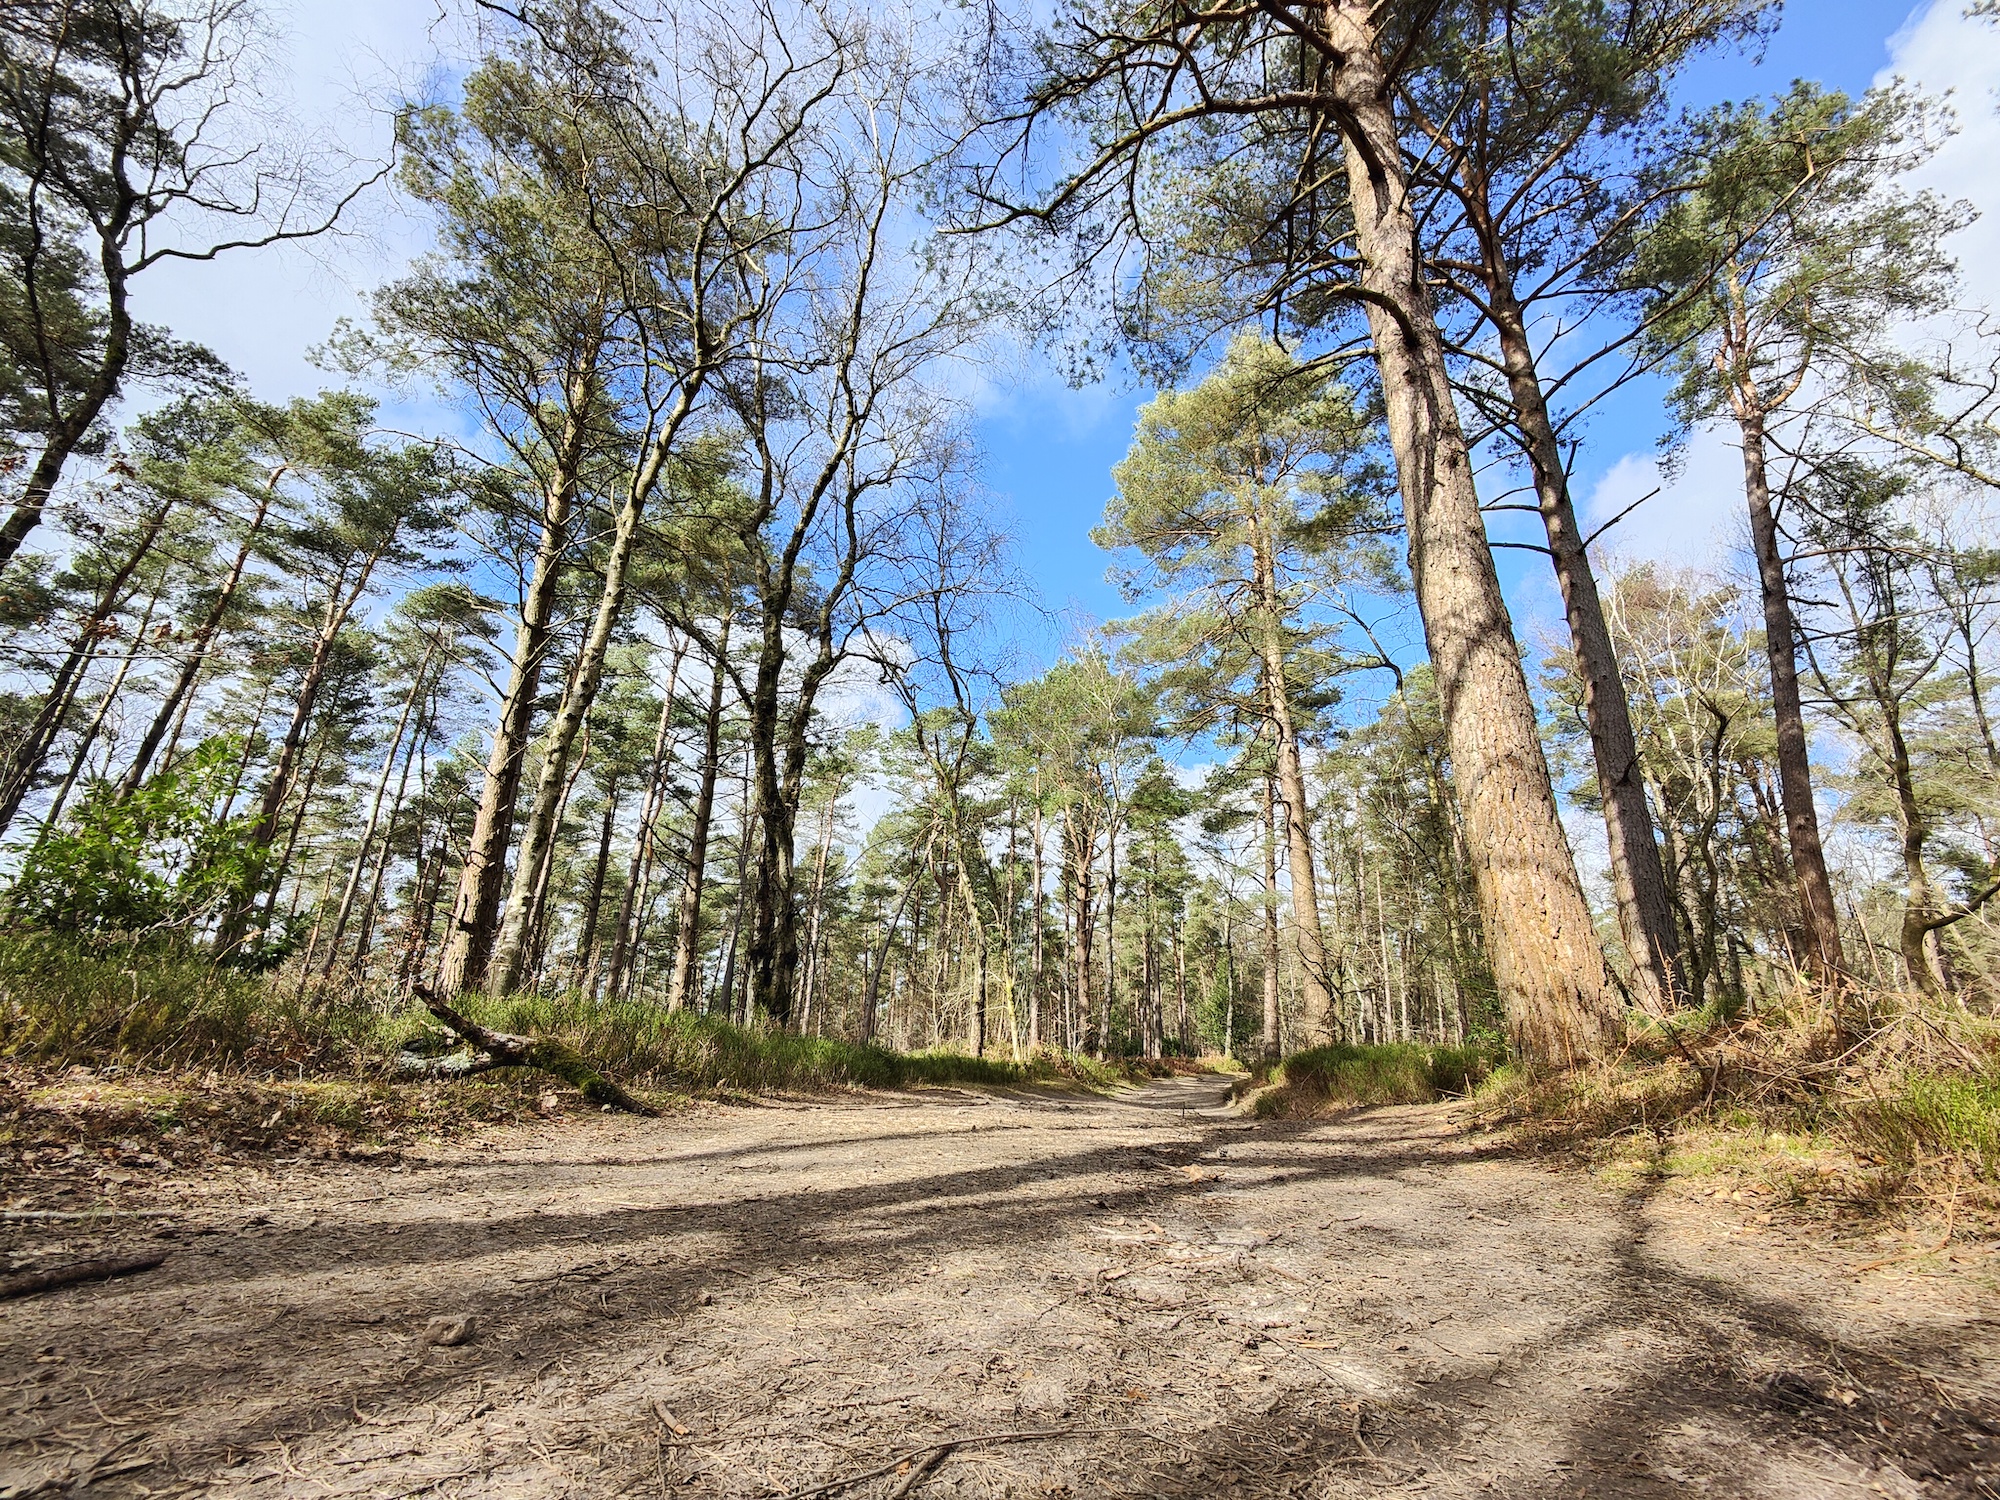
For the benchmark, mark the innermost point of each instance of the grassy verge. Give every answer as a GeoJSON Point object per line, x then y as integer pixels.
{"type": "Point", "coordinates": [1892, 1107]}
{"type": "Point", "coordinates": [1347, 1076]}
{"type": "Point", "coordinates": [137, 1055]}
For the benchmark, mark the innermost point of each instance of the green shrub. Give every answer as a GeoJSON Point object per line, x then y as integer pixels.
{"type": "Point", "coordinates": [1346, 1076]}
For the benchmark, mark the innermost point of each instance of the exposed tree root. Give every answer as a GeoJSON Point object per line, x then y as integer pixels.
{"type": "Point", "coordinates": [502, 1049]}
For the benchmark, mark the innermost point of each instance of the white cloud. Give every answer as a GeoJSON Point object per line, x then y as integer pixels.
{"type": "Point", "coordinates": [1945, 53]}
{"type": "Point", "coordinates": [1691, 518]}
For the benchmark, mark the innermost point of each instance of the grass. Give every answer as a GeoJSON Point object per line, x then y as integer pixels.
{"type": "Point", "coordinates": [150, 1044]}
{"type": "Point", "coordinates": [1347, 1076]}
{"type": "Point", "coordinates": [1889, 1105]}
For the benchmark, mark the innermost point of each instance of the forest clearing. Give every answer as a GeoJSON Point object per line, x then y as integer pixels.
{"type": "Point", "coordinates": [810, 748]}
{"type": "Point", "coordinates": [1048, 1294]}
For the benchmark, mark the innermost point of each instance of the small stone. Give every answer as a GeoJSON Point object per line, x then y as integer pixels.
{"type": "Point", "coordinates": [449, 1333]}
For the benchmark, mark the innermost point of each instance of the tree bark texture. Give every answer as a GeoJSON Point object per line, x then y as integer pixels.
{"type": "Point", "coordinates": [1547, 963]}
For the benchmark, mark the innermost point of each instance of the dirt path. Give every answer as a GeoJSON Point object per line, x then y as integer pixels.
{"type": "Point", "coordinates": [1168, 1301]}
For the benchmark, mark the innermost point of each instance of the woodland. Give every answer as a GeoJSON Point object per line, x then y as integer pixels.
{"type": "Point", "coordinates": [575, 920]}
{"type": "Point", "coordinates": [679, 684]}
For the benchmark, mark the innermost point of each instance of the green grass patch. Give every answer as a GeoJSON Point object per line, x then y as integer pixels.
{"type": "Point", "coordinates": [1346, 1076]}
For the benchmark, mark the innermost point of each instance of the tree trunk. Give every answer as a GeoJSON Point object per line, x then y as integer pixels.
{"type": "Point", "coordinates": [371, 907]}
{"type": "Point", "coordinates": [871, 994]}
{"type": "Point", "coordinates": [74, 425]}
{"type": "Point", "coordinates": [1546, 960]}
{"type": "Point", "coordinates": [88, 740]}
{"type": "Point", "coordinates": [25, 764]}
{"type": "Point", "coordinates": [1269, 1039]}
{"type": "Point", "coordinates": [638, 870]}
{"type": "Point", "coordinates": [263, 830]}
{"type": "Point", "coordinates": [173, 707]}
{"type": "Point", "coordinates": [1638, 881]}
{"type": "Point", "coordinates": [1108, 997]}
{"type": "Point", "coordinates": [680, 986]}
{"type": "Point", "coordinates": [584, 959]}
{"type": "Point", "coordinates": [353, 887]}
{"type": "Point", "coordinates": [1819, 920]}
{"type": "Point", "coordinates": [476, 912]}
{"type": "Point", "coordinates": [1316, 1022]}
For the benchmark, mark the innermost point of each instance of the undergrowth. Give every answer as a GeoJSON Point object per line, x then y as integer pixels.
{"type": "Point", "coordinates": [1349, 1075]}
{"type": "Point", "coordinates": [1884, 1101]}
{"type": "Point", "coordinates": [147, 1043]}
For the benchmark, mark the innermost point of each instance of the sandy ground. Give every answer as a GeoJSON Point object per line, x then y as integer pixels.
{"type": "Point", "coordinates": [1136, 1296]}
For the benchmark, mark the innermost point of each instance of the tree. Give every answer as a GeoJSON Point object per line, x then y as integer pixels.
{"type": "Point", "coordinates": [1794, 258]}
{"type": "Point", "coordinates": [1245, 496]}
{"type": "Point", "coordinates": [129, 126]}
{"type": "Point", "coordinates": [1534, 117]}
{"type": "Point", "coordinates": [1321, 82]}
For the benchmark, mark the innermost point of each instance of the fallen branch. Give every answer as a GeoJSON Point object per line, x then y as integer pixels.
{"type": "Point", "coordinates": [923, 1460]}
{"type": "Point", "coordinates": [488, 1050]}
{"type": "Point", "coordinates": [85, 1270]}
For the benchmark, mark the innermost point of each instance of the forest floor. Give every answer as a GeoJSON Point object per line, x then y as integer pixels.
{"type": "Point", "coordinates": [1083, 1296]}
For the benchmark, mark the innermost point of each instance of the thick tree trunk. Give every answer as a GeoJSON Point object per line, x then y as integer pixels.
{"type": "Point", "coordinates": [1819, 921]}
{"type": "Point", "coordinates": [74, 425]}
{"type": "Point", "coordinates": [476, 912]}
{"type": "Point", "coordinates": [687, 940]}
{"type": "Point", "coordinates": [1546, 960]}
{"type": "Point", "coordinates": [1638, 881]}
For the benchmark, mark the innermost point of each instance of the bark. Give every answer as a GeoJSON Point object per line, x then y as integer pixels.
{"type": "Point", "coordinates": [1819, 921]}
{"type": "Point", "coordinates": [88, 740]}
{"type": "Point", "coordinates": [500, 1049]}
{"type": "Point", "coordinates": [263, 830]}
{"type": "Point", "coordinates": [687, 940]}
{"type": "Point", "coordinates": [1269, 1039]}
{"type": "Point", "coordinates": [71, 1275]}
{"type": "Point", "coordinates": [1035, 999]}
{"type": "Point", "coordinates": [1638, 881]}
{"type": "Point", "coordinates": [381, 791]}
{"type": "Point", "coordinates": [638, 870]}
{"type": "Point", "coordinates": [476, 913]}
{"type": "Point", "coordinates": [1547, 963]}
{"type": "Point", "coordinates": [539, 832]}
{"type": "Point", "coordinates": [585, 960]}
{"type": "Point", "coordinates": [73, 426]}
{"type": "Point", "coordinates": [371, 906]}
{"type": "Point", "coordinates": [25, 764]}
{"type": "Point", "coordinates": [1107, 1002]}
{"type": "Point", "coordinates": [815, 902]}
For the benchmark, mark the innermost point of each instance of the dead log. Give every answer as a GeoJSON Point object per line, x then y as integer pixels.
{"type": "Point", "coordinates": [487, 1050]}
{"type": "Point", "coordinates": [83, 1270]}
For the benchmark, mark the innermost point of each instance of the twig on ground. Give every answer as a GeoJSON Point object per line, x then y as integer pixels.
{"type": "Point", "coordinates": [87, 1270]}
{"type": "Point", "coordinates": [933, 1453]}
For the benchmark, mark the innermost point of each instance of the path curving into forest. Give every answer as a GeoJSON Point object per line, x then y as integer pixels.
{"type": "Point", "coordinates": [1133, 1296]}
